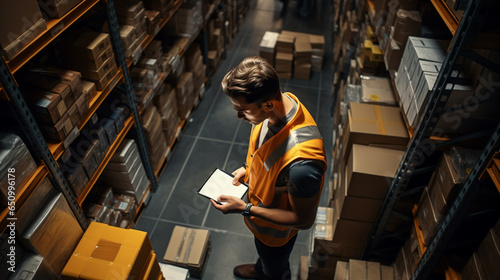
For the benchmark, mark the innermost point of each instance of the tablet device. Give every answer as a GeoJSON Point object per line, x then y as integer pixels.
{"type": "Point", "coordinates": [220, 182]}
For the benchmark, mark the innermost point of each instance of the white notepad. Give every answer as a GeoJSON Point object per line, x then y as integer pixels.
{"type": "Point", "coordinates": [221, 182]}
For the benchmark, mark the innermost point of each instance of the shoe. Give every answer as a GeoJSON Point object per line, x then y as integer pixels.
{"type": "Point", "coordinates": [247, 271]}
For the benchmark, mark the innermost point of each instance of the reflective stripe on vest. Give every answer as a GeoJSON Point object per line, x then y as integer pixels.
{"type": "Point", "coordinates": [296, 137]}
{"type": "Point", "coordinates": [269, 230]}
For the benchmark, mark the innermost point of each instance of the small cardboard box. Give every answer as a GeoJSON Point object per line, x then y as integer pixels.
{"type": "Point", "coordinates": [47, 106]}
{"type": "Point", "coordinates": [377, 90]}
{"type": "Point", "coordinates": [96, 75]}
{"type": "Point", "coordinates": [188, 248]}
{"type": "Point", "coordinates": [426, 216]}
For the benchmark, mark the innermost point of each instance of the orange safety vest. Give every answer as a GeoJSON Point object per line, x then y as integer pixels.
{"type": "Point", "coordinates": [298, 139]}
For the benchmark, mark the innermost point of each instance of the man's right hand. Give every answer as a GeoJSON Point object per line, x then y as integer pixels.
{"type": "Point", "coordinates": [238, 174]}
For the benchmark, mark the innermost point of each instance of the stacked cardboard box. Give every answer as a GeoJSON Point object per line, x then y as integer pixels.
{"type": "Point", "coordinates": [318, 51]}
{"type": "Point", "coordinates": [20, 23]}
{"type": "Point", "coordinates": [187, 20]}
{"type": "Point", "coordinates": [163, 6]}
{"type": "Point", "coordinates": [146, 76]}
{"type": "Point", "coordinates": [358, 269]}
{"type": "Point", "coordinates": [189, 248]}
{"type": "Point", "coordinates": [302, 57]}
{"type": "Point", "coordinates": [57, 9]}
{"type": "Point", "coordinates": [167, 107]}
{"type": "Point", "coordinates": [105, 206]}
{"type": "Point", "coordinates": [194, 64]}
{"type": "Point", "coordinates": [483, 264]}
{"type": "Point", "coordinates": [125, 172]}
{"type": "Point", "coordinates": [56, 98]}
{"type": "Point", "coordinates": [184, 94]}
{"type": "Point", "coordinates": [267, 47]}
{"type": "Point", "coordinates": [48, 217]}
{"type": "Point", "coordinates": [417, 73]}
{"type": "Point", "coordinates": [155, 137]}
{"type": "Point", "coordinates": [377, 90]}
{"type": "Point", "coordinates": [80, 161]}
{"type": "Point", "coordinates": [14, 155]}
{"type": "Point", "coordinates": [91, 54]}
{"type": "Point", "coordinates": [132, 21]}
{"type": "Point", "coordinates": [107, 252]}
{"type": "Point", "coordinates": [284, 56]}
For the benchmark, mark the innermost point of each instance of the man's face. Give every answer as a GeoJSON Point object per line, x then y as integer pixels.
{"type": "Point", "coordinates": [250, 112]}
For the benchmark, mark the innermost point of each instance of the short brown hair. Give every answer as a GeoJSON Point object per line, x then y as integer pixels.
{"type": "Point", "coordinates": [255, 79]}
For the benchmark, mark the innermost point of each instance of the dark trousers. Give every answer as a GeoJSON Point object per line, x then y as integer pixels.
{"type": "Point", "coordinates": [274, 262]}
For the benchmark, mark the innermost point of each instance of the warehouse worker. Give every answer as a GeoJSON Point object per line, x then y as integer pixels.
{"type": "Point", "coordinates": [284, 169]}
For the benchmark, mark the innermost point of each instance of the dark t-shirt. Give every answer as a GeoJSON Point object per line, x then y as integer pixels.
{"type": "Point", "coordinates": [302, 177]}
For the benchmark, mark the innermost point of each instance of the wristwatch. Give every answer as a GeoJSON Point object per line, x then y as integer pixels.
{"type": "Point", "coordinates": [246, 212]}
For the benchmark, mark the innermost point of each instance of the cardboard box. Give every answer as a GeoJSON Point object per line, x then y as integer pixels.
{"type": "Point", "coordinates": [106, 79]}
{"type": "Point", "coordinates": [188, 248]}
{"type": "Point", "coordinates": [400, 265]}
{"type": "Point", "coordinates": [473, 269]}
{"type": "Point", "coordinates": [386, 272]}
{"type": "Point", "coordinates": [60, 130]}
{"type": "Point", "coordinates": [57, 8]}
{"type": "Point", "coordinates": [109, 252]}
{"type": "Point", "coordinates": [375, 125]}
{"type": "Point", "coordinates": [364, 270]}
{"type": "Point", "coordinates": [341, 271]}
{"type": "Point", "coordinates": [285, 43]}
{"type": "Point", "coordinates": [48, 107]}
{"type": "Point", "coordinates": [55, 222]}
{"type": "Point", "coordinates": [87, 43]}
{"type": "Point", "coordinates": [377, 90]}
{"type": "Point", "coordinates": [16, 18]}
{"type": "Point", "coordinates": [370, 170]}
{"type": "Point", "coordinates": [99, 74]}
{"type": "Point", "coordinates": [489, 253]}
{"type": "Point", "coordinates": [426, 216]}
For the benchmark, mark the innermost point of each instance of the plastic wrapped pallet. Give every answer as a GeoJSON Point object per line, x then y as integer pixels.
{"type": "Point", "coordinates": [16, 163]}
{"type": "Point", "coordinates": [54, 233]}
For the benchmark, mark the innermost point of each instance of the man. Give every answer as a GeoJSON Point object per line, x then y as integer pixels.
{"type": "Point", "coordinates": [284, 167]}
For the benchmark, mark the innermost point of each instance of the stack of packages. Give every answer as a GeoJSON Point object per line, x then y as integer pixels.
{"type": "Point", "coordinates": [358, 269]}
{"type": "Point", "coordinates": [82, 159]}
{"type": "Point", "coordinates": [483, 264]}
{"type": "Point", "coordinates": [318, 51]}
{"type": "Point", "coordinates": [187, 20]}
{"type": "Point", "coordinates": [56, 98]}
{"type": "Point", "coordinates": [147, 72]}
{"type": "Point", "coordinates": [183, 83]}
{"type": "Point", "coordinates": [162, 6]}
{"type": "Point", "coordinates": [16, 163]}
{"type": "Point", "coordinates": [361, 149]}
{"type": "Point", "coordinates": [417, 73]}
{"type": "Point", "coordinates": [107, 252]}
{"type": "Point", "coordinates": [167, 107]}
{"type": "Point", "coordinates": [215, 42]}
{"type": "Point", "coordinates": [20, 23]}
{"type": "Point", "coordinates": [91, 54]}
{"type": "Point", "coordinates": [125, 172]}
{"type": "Point", "coordinates": [302, 57]}
{"type": "Point", "coordinates": [105, 206]}
{"type": "Point", "coordinates": [47, 228]}
{"type": "Point", "coordinates": [155, 138]}
{"type": "Point", "coordinates": [284, 56]}
{"type": "Point", "coordinates": [268, 45]}
{"type": "Point", "coordinates": [133, 29]}
{"type": "Point", "coordinates": [194, 64]}
{"type": "Point", "coordinates": [403, 20]}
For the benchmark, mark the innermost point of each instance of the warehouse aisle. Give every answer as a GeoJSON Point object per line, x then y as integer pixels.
{"type": "Point", "coordinates": [214, 137]}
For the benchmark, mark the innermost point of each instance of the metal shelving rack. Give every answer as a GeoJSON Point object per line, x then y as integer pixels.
{"type": "Point", "coordinates": [422, 146]}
